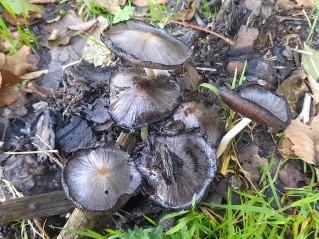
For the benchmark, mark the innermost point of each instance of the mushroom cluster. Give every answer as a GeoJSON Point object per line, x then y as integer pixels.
{"type": "Point", "coordinates": [137, 97]}
{"type": "Point", "coordinates": [174, 167]}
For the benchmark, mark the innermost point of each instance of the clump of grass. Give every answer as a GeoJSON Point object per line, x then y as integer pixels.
{"type": "Point", "coordinates": [292, 214]}
{"type": "Point", "coordinates": [26, 35]}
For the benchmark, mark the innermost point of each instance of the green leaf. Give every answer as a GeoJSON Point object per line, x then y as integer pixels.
{"type": "Point", "coordinates": [22, 7]}
{"type": "Point", "coordinates": [209, 86]}
{"type": "Point", "coordinates": [150, 220]}
{"type": "Point", "coordinates": [123, 14]}
{"type": "Point", "coordinates": [310, 61]}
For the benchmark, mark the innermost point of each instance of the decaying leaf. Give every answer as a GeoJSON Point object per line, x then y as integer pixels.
{"type": "Point", "coordinates": [43, 1]}
{"type": "Point", "coordinates": [111, 5]}
{"type": "Point", "coordinates": [314, 85]}
{"type": "Point", "coordinates": [13, 64]}
{"type": "Point", "coordinates": [188, 13]}
{"type": "Point", "coordinates": [293, 88]}
{"type": "Point", "coordinates": [310, 61]}
{"type": "Point", "coordinates": [65, 28]}
{"type": "Point", "coordinates": [145, 3]}
{"type": "Point", "coordinates": [304, 140]}
{"type": "Point", "coordinates": [286, 5]}
{"type": "Point", "coordinates": [8, 94]}
{"type": "Point", "coordinates": [94, 52]}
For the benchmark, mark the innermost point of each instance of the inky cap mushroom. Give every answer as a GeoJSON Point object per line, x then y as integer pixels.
{"type": "Point", "coordinates": [259, 104]}
{"type": "Point", "coordinates": [196, 114]}
{"type": "Point", "coordinates": [145, 45]}
{"type": "Point", "coordinates": [176, 168]}
{"type": "Point", "coordinates": [256, 103]}
{"type": "Point", "coordinates": [100, 180]}
{"type": "Point", "coordinates": [136, 100]}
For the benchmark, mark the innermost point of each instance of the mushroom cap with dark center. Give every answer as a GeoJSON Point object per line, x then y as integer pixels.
{"type": "Point", "coordinates": [258, 104]}
{"type": "Point", "coordinates": [101, 179]}
{"type": "Point", "coordinates": [197, 114]}
{"type": "Point", "coordinates": [176, 168]}
{"type": "Point", "coordinates": [145, 45]}
{"type": "Point", "coordinates": [137, 100]}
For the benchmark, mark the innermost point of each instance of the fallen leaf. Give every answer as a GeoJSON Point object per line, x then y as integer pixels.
{"type": "Point", "coordinates": [111, 5]}
{"type": "Point", "coordinates": [60, 34]}
{"type": "Point", "coordinates": [304, 139]}
{"type": "Point", "coordinates": [292, 89]}
{"type": "Point", "coordinates": [145, 3]}
{"type": "Point", "coordinates": [310, 61]}
{"type": "Point", "coordinates": [314, 85]}
{"type": "Point", "coordinates": [286, 5]}
{"type": "Point", "coordinates": [83, 26]}
{"type": "Point", "coordinates": [13, 64]}
{"type": "Point", "coordinates": [95, 51]}
{"type": "Point", "coordinates": [188, 13]}
{"type": "Point", "coordinates": [8, 94]}
{"type": "Point", "coordinates": [18, 19]}
{"type": "Point", "coordinates": [23, 52]}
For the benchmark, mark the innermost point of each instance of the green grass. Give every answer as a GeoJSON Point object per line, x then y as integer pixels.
{"type": "Point", "coordinates": [26, 36]}
{"type": "Point", "coordinates": [293, 214]}
{"type": "Point", "coordinates": [314, 14]}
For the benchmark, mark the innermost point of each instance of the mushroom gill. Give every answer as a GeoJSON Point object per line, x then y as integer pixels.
{"type": "Point", "coordinates": [136, 101]}
{"type": "Point", "coordinates": [101, 179]}
{"type": "Point", "coordinates": [177, 168]}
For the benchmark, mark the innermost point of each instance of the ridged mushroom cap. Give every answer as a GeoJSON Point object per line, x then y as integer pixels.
{"type": "Point", "coordinates": [197, 114]}
{"type": "Point", "coordinates": [176, 168]}
{"type": "Point", "coordinates": [137, 100]}
{"type": "Point", "coordinates": [100, 180]}
{"type": "Point", "coordinates": [258, 104]}
{"type": "Point", "coordinates": [145, 45]}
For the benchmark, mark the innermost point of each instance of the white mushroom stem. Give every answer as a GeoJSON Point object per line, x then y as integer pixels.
{"type": "Point", "coordinates": [149, 72]}
{"type": "Point", "coordinates": [305, 112]}
{"type": "Point", "coordinates": [155, 72]}
{"type": "Point", "coordinates": [230, 135]}
{"type": "Point", "coordinates": [144, 133]}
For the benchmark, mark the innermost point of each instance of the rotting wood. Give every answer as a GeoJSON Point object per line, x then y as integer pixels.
{"type": "Point", "coordinates": [127, 141]}
{"type": "Point", "coordinates": [42, 205]}
{"type": "Point", "coordinates": [82, 221]}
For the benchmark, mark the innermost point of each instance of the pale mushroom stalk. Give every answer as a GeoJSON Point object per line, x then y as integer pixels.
{"type": "Point", "coordinates": [305, 112]}
{"type": "Point", "coordinates": [231, 134]}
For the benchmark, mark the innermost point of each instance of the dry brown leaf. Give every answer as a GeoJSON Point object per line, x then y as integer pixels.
{"type": "Point", "coordinates": [145, 3]}
{"type": "Point", "coordinates": [23, 52]}
{"type": "Point", "coordinates": [286, 5]}
{"type": "Point", "coordinates": [83, 26]}
{"type": "Point", "coordinates": [111, 5]}
{"type": "Point", "coordinates": [304, 139]}
{"type": "Point", "coordinates": [13, 64]}
{"type": "Point", "coordinates": [314, 85]}
{"type": "Point", "coordinates": [43, 91]}
{"type": "Point", "coordinates": [7, 93]}
{"type": "Point", "coordinates": [34, 74]}
{"type": "Point", "coordinates": [185, 15]}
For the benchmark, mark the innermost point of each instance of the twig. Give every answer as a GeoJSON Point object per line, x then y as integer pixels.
{"type": "Point", "coordinates": [32, 152]}
{"type": "Point", "coordinates": [206, 69]}
{"type": "Point", "coordinates": [227, 40]}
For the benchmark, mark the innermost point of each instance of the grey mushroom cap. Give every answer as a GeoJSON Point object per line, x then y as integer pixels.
{"type": "Point", "coordinates": [176, 168]}
{"type": "Point", "coordinates": [145, 45]}
{"type": "Point", "coordinates": [137, 100]}
{"type": "Point", "coordinates": [100, 180]}
{"type": "Point", "coordinates": [210, 119]}
{"type": "Point", "coordinates": [258, 104]}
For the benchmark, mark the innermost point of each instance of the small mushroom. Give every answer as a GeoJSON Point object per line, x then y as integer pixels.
{"type": "Point", "coordinates": [198, 114]}
{"type": "Point", "coordinates": [145, 45]}
{"type": "Point", "coordinates": [136, 101]}
{"type": "Point", "coordinates": [177, 168]}
{"type": "Point", "coordinates": [100, 180]}
{"type": "Point", "coordinates": [258, 104]}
